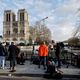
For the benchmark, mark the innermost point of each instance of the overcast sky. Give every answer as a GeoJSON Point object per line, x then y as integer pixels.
{"type": "Point", "coordinates": [62, 14]}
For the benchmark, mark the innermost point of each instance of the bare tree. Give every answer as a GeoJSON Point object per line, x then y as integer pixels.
{"type": "Point", "coordinates": [40, 32]}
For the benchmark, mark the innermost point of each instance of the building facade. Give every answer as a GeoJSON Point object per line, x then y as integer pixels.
{"type": "Point", "coordinates": [16, 29]}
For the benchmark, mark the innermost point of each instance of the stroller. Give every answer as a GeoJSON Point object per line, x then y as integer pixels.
{"type": "Point", "coordinates": [52, 72]}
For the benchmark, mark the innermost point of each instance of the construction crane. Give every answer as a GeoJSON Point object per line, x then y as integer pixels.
{"type": "Point", "coordinates": [77, 30]}
{"type": "Point", "coordinates": [38, 24]}
{"type": "Point", "coordinates": [40, 27]}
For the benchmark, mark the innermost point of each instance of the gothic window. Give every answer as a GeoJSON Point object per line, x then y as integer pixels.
{"type": "Point", "coordinates": [8, 17]}
{"type": "Point", "coordinates": [15, 30]}
{"type": "Point", "coordinates": [22, 31]}
{"type": "Point", "coordinates": [8, 32]}
{"type": "Point", "coordinates": [21, 16]}
{"type": "Point", "coordinates": [13, 17]}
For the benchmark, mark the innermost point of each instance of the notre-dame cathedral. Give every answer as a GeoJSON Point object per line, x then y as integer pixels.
{"type": "Point", "coordinates": [16, 29]}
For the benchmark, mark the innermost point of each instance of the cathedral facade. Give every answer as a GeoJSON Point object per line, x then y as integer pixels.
{"type": "Point", "coordinates": [16, 29]}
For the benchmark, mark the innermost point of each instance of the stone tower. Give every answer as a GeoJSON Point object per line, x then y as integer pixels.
{"type": "Point", "coordinates": [16, 30]}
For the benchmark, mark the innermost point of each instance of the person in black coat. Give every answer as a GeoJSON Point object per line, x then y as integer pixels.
{"type": "Point", "coordinates": [6, 47]}
{"type": "Point", "coordinates": [12, 56]}
{"type": "Point", "coordinates": [57, 54]}
{"type": "Point", "coordinates": [2, 56]}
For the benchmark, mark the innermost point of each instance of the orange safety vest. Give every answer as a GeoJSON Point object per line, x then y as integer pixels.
{"type": "Point", "coordinates": [43, 50]}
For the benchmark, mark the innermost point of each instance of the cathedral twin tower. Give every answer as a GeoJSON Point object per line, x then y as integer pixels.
{"type": "Point", "coordinates": [16, 30]}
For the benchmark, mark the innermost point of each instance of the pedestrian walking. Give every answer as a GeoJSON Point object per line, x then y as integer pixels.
{"type": "Point", "coordinates": [57, 54]}
{"type": "Point", "coordinates": [51, 49]}
{"type": "Point", "coordinates": [6, 47]}
{"type": "Point", "coordinates": [2, 56]}
{"type": "Point", "coordinates": [12, 56]}
{"type": "Point", "coordinates": [43, 54]}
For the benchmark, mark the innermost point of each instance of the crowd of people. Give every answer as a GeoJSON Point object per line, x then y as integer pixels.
{"type": "Point", "coordinates": [50, 51]}
{"type": "Point", "coordinates": [49, 55]}
{"type": "Point", "coordinates": [12, 53]}
{"type": "Point", "coordinates": [45, 55]}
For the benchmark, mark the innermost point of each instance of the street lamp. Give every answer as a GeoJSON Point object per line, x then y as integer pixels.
{"type": "Point", "coordinates": [33, 45]}
{"type": "Point", "coordinates": [42, 33]}
{"type": "Point", "coordinates": [39, 29]}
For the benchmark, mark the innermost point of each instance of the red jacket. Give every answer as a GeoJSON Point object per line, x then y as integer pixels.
{"type": "Point", "coordinates": [43, 50]}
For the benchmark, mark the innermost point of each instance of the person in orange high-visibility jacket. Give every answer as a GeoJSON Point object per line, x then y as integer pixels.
{"type": "Point", "coordinates": [43, 54]}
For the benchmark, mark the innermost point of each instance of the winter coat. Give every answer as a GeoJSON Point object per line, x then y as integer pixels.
{"type": "Point", "coordinates": [12, 51]}
{"type": "Point", "coordinates": [43, 50]}
{"type": "Point", "coordinates": [2, 51]}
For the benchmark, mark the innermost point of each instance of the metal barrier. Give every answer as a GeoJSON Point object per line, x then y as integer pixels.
{"type": "Point", "coordinates": [75, 59]}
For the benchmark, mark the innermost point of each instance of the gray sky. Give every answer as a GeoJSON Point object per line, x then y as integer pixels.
{"type": "Point", "coordinates": [62, 14]}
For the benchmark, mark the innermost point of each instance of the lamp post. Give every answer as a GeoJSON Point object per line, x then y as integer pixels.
{"type": "Point", "coordinates": [39, 28]}
{"type": "Point", "coordinates": [33, 45]}
{"type": "Point", "coordinates": [41, 32]}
